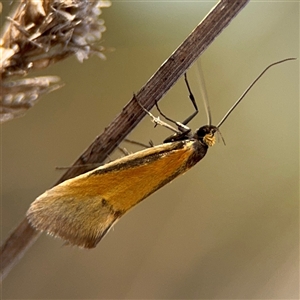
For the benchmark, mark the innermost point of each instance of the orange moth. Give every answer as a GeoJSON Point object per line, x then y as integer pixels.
{"type": "Point", "coordinates": [81, 210]}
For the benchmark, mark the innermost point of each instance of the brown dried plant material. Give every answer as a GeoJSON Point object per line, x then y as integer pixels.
{"type": "Point", "coordinates": [17, 96]}
{"type": "Point", "coordinates": [39, 33]}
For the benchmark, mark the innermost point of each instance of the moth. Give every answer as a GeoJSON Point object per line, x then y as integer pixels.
{"type": "Point", "coordinates": [82, 210]}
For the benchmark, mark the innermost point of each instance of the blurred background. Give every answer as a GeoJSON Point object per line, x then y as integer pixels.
{"type": "Point", "coordinates": [229, 228]}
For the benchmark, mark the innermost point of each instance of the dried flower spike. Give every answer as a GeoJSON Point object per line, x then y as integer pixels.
{"type": "Point", "coordinates": [41, 32]}
{"type": "Point", "coordinates": [17, 96]}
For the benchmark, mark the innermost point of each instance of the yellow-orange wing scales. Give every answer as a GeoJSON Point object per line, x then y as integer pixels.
{"type": "Point", "coordinates": [81, 210]}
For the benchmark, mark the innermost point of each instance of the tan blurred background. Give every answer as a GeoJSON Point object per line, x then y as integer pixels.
{"type": "Point", "coordinates": [229, 228]}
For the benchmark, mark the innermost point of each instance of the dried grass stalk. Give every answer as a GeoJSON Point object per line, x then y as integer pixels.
{"type": "Point", "coordinates": [37, 34]}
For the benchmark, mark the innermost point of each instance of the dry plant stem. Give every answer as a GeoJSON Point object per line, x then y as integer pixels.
{"type": "Point", "coordinates": [166, 76]}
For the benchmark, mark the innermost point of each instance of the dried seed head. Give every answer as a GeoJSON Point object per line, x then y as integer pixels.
{"type": "Point", "coordinates": [17, 96]}
{"type": "Point", "coordinates": [39, 33]}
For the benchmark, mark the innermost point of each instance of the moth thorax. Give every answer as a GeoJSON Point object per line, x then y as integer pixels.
{"type": "Point", "coordinates": [209, 139]}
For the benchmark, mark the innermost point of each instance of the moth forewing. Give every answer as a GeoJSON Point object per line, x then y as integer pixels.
{"type": "Point", "coordinates": [81, 210]}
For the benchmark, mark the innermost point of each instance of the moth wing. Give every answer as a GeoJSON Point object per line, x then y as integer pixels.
{"type": "Point", "coordinates": [61, 213]}
{"type": "Point", "coordinates": [81, 210]}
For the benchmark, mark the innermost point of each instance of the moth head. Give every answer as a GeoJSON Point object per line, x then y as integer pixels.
{"type": "Point", "coordinates": [206, 134]}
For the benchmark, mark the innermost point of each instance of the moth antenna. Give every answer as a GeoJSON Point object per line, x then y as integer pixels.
{"type": "Point", "coordinates": [250, 86]}
{"type": "Point", "coordinates": [203, 91]}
